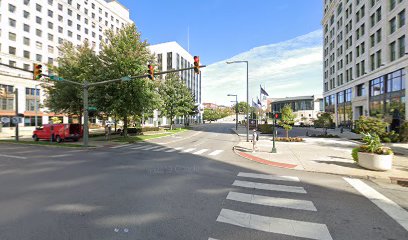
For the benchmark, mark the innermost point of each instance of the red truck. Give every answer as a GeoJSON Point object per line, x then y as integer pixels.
{"type": "Point", "coordinates": [58, 132]}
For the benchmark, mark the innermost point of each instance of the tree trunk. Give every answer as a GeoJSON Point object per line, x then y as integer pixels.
{"type": "Point", "coordinates": [287, 133]}
{"type": "Point", "coordinates": [115, 122]}
{"type": "Point", "coordinates": [125, 123]}
{"type": "Point", "coordinates": [171, 122]}
{"type": "Point", "coordinates": [80, 118]}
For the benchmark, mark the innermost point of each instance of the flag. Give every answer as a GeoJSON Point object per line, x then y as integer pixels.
{"type": "Point", "coordinates": [263, 91]}
{"type": "Point", "coordinates": [259, 102]}
{"type": "Point", "coordinates": [254, 104]}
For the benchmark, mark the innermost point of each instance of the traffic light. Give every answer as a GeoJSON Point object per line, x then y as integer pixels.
{"type": "Point", "coordinates": [3, 92]}
{"type": "Point", "coordinates": [277, 115]}
{"type": "Point", "coordinates": [37, 71]}
{"type": "Point", "coordinates": [151, 71]}
{"type": "Point", "coordinates": [197, 64]}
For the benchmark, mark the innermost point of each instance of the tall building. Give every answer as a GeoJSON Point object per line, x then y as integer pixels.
{"type": "Point", "coordinates": [171, 55]}
{"type": "Point", "coordinates": [31, 31]}
{"type": "Point", "coordinates": [365, 59]}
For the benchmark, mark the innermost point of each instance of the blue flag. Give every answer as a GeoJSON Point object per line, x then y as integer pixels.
{"type": "Point", "coordinates": [259, 102]}
{"type": "Point", "coordinates": [264, 92]}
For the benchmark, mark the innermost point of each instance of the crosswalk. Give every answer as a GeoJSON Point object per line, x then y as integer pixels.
{"type": "Point", "coordinates": [160, 148]}
{"type": "Point", "coordinates": [270, 224]}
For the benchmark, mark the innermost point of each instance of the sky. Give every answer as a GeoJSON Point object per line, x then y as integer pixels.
{"type": "Point", "coordinates": [225, 29]}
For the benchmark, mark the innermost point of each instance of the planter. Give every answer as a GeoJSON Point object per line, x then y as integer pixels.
{"type": "Point", "coordinates": [376, 162]}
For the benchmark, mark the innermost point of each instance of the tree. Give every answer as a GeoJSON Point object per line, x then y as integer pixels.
{"type": "Point", "coordinates": [77, 63]}
{"type": "Point", "coordinates": [176, 97]}
{"type": "Point", "coordinates": [242, 107]}
{"type": "Point", "coordinates": [126, 54]}
{"type": "Point", "coordinates": [324, 120]}
{"type": "Point", "coordinates": [288, 119]}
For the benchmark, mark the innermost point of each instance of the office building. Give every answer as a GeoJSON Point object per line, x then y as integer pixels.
{"type": "Point", "coordinates": [31, 31]}
{"type": "Point", "coordinates": [171, 55]}
{"type": "Point", "coordinates": [365, 59]}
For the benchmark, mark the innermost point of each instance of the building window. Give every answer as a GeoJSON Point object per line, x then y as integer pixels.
{"type": "Point", "coordinates": [12, 36]}
{"type": "Point", "coordinates": [393, 25]}
{"type": "Point", "coordinates": [360, 90]}
{"type": "Point", "coordinates": [26, 2]}
{"type": "Point", "coordinates": [11, 8]}
{"type": "Point", "coordinates": [50, 37]}
{"type": "Point", "coordinates": [401, 18]}
{"type": "Point", "coordinates": [50, 25]}
{"type": "Point", "coordinates": [393, 51]}
{"type": "Point", "coordinates": [60, 29]}
{"type": "Point", "coordinates": [38, 45]}
{"type": "Point", "coordinates": [79, 37]}
{"type": "Point", "coordinates": [26, 28]}
{"type": "Point", "coordinates": [26, 41]}
{"type": "Point", "coordinates": [12, 22]}
{"type": "Point", "coordinates": [50, 2]}
{"type": "Point", "coordinates": [12, 63]}
{"type": "Point", "coordinates": [38, 57]}
{"type": "Point", "coordinates": [401, 44]}
{"type": "Point", "coordinates": [50, 49]}
{"type": "Point", "coordinates": [26, 66]}
{"type": "Point", "coordinates": [377, 86]}
{"type": "Point", "coordinates": [50, 61]}
{"type": "Point", "coordinates": [38, 7]}
{"type": "Point", "coordinates": [50, 13]}
{"type": "Point", "coordinates": [69, 12]}
{"type": "Point", "coordinates": [69, 23]}
{"type": "Point", "coordinates": [26, 54]}
{"type": "Point", "coordinates": [378, 55]}
{"type": "Point", "coordinates": [69, 34]}
{"type": "Point", "coordinates": [60, 7]}
{"type": "Point", "coordinates": [78, 27]}
{"type": "Point", "coordinates": [392, 4]}
{"type": "Point", "coordinates": [60, 18]}
{"type": "Point", "coordinates": [38, 20]}
{"type": "Point", "coordinates": [169, 60]}
{"type": "Point", "coordinates": [26, 14]}
{"type": "Point", "coordinates": [12, 50]}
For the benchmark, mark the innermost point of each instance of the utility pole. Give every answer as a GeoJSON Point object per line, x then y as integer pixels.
{"type": "Point", "coordinates": [16, 118]}
{"type": "Point", "coordinates": [86, 128]}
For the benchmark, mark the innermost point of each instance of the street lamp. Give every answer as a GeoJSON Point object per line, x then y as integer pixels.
{"type": "Point", "coordinates": [236, 109]}
{"type": "Point", "coordinates": [247, 108]}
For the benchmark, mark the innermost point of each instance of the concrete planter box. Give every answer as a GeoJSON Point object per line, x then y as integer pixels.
{"type": "Point", "coordinates": [376, 162]}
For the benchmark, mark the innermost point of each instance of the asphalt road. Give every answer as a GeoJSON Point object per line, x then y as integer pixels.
{"type": "Point", "coordinates": [187, 186]}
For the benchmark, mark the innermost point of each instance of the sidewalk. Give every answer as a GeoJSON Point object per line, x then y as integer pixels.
{"type": "Point", "coordinates": [324, 155]}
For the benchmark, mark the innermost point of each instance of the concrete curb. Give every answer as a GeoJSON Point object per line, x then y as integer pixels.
{"type": "Point", "coordinates": [282, 165]}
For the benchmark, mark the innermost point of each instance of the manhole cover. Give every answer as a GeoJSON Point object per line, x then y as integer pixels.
{"type": "Point", "coordinates": [402, 183]}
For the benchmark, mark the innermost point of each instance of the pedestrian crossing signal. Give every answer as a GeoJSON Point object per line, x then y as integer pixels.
{"type": "Point", "coordinates": [277, 115]}
{"type": "Point", "coordinates": [3, 92]}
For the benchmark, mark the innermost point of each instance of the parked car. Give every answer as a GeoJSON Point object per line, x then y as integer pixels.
{"type": "Point", "coordinates": [58, 132]}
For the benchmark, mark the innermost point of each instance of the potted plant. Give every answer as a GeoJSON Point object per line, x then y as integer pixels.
{"type": "Point", "coordinates": [373, 155]}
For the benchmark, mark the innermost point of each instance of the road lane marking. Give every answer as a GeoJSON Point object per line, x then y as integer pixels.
{"type": "Point", "coordinates": [159, 149]}
{"type": "Point", "coordinates": [387, 205]}
{"type": "Point", "coordinates": [275, 225]}
{"type": "Point", "coordinates": [268, 177]}
{"type": "Point", "coordinates": [189, 150]}
{"type": "Point", "coordinates": [216, 152]}
{"type": "Point", "coordinates": [201, 151]}
{"type": "Point", "coordinates": [139, 147]}
{"type": "Point", "coordinates": [61, 155]}
{"type": "Point", "coordinates": [174, 149]}
{"type": "Point", "coordinates": [12, 156]}
{"type": "Point", "coordinates": [150, 148]}
{"type": "Point", "coordinates": [272, 201]}
{"type": "Point", "coordinates": [120, 146]}
{"type": "Point", "coordinates": [271, 187]}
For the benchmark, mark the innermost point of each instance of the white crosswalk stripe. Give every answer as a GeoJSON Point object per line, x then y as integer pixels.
{"type": "Point", "coordinates": [189, 150]}
{"type": "Point", "coordinates": [271, 224]}
{"type": "Point", "coordinates": [269, 177]}
{"type": "Point", "coordinates": [201, 151]}
{"type": "Point", "coordinates": [275, 225]}
{"type": "Point", "coordinates": [159, 149]}
{"type": "Point", "coordinates": [120, 146]}
{"type": "Point", "coordinates": [272, 201]}
{"type": "Point", "coordinates": [267, 186]}
{"type": "Point", "coordinates": [150, 148]}
{"type": "Point", "coordinates": [139, 147]}
{"type": "Point", "coordinates": [216, 152]}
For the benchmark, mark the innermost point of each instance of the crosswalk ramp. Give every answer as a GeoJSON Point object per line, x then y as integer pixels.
{"type": "Point", "coordinates": [265, 194]}
{"type": "Point", "coordinates": [160, 148]}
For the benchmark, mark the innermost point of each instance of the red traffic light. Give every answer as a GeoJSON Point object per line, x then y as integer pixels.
{"type": "Point", "coordinates": [150, 67]}
{"type": "Point", "coordinates": [197, 64]}
{"type": "Point", "coordinates": [276, 115]}
{"type": "Point", "coordinates": [150, 71]}
{"type": "Point", "coordinates": [196, 59]}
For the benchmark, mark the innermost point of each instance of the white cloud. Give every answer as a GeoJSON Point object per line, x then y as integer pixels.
{"type": "Point", "coordinates": [289, 68]}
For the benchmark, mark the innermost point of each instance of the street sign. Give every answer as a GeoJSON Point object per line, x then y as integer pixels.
{"type": "Point", "coordinates": [91, 108]}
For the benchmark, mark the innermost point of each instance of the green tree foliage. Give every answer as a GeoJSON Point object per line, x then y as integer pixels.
{"type": "Point", "coordinates": [288, 119]}
{"type": "Point", "coordinates": [126, 54]}
{"type": "Point", "coordinates": [77, 63]}
{"type": "Point", "coordinates": [324, 120]}
{"type": "Point", "coordinates": [176, 97]}
{"type": "Point", "coordinates": [215, 114]}
{"type": "Point", "coordinates": [242, 107]}
{"type": "Point", "coordinates": [371, 125]}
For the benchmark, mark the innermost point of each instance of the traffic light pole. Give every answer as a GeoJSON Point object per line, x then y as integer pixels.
{"type": "Point", "coordinates": [86, 86]}
{"type": "Point", "coordinates": [273, 135]}
{"type": "Point", "coordinates": [16, 94]}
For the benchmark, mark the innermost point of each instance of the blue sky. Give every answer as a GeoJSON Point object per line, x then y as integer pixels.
{"type": "Point", "coordinates": [281, 39]}
{"type": "Point", "coordinates": [220, 29]}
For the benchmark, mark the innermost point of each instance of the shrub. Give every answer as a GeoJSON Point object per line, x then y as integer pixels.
{"type": "Point", "coordinates": [403, 132]}
{"type": "Point", "coordinates": [354, 153]}
{"type": "Point", "coordinates": [386, 140]}
{"type": "Point", "coordinates": [325, 136]}
{"type": "Point", "coordinates": [372, 126]}
{"type": "Point", "coordinates": [373, 145]}
{"type": "Point", "coordinates": [265, 128]}
{"type": "Point", "coordinates": [289, 139]}
{"type": "Point", "coordinates": [148, 129]}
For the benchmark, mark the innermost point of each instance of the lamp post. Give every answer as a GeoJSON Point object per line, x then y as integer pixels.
{"type": "Point", "coordinates": [247, 109]}
{"type": "Point", "coordinates": [236, 109]}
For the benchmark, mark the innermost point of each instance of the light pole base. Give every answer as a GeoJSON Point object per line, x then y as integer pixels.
{"type": "Point", "coordinates": [273, 150]}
